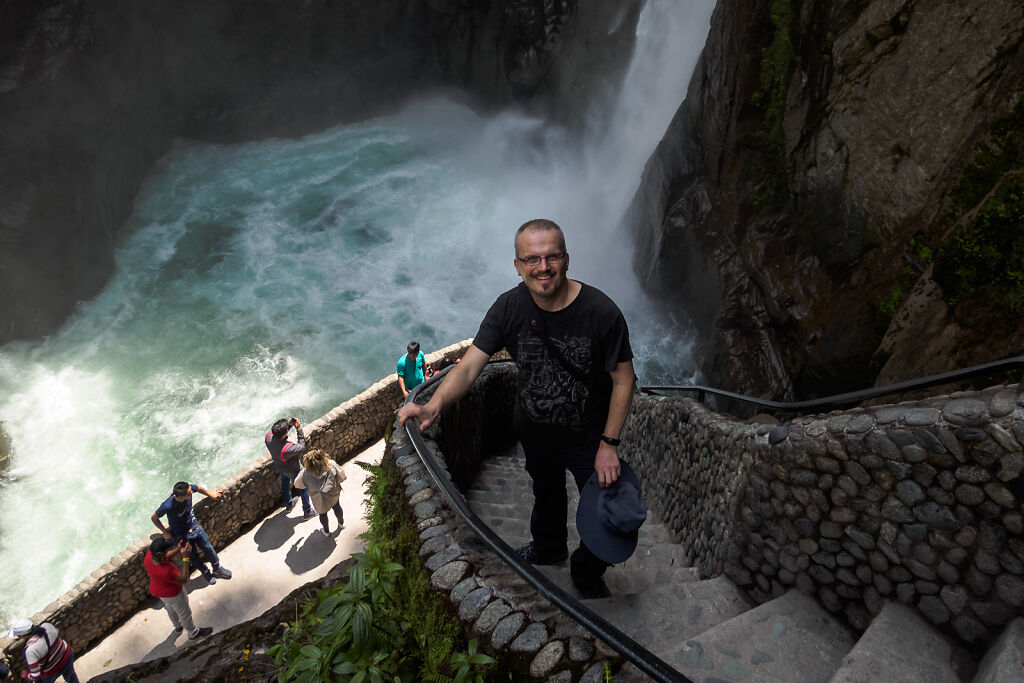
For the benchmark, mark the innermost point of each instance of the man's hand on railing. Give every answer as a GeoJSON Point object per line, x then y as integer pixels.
{"type": "Point", "coordinates": [425, 414]}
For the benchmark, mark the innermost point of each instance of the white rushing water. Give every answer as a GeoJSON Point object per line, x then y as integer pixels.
{"type": "Point", "coordinates": [282, 277]}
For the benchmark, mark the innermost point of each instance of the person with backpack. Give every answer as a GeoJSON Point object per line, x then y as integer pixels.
{"type": "Point", "coordinates": [322, 477]}
{"type": "Point", "coordinates": [285, 456]}
{"type": "Point", "coordinates": [47, 655]}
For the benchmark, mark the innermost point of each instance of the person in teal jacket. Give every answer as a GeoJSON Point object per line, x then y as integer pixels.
{"type": "Point", "coordinates": [411, 368]}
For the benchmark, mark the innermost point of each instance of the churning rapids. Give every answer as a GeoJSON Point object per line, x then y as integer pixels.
{"type": "Point", "coordinates": [282, 277]}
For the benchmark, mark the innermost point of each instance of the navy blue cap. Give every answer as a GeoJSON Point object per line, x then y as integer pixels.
{"type": "Point", "coordinates": [609, 519]}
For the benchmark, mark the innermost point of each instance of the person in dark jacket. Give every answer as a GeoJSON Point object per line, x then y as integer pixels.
{"type": "Point", "coordinates": [287, 461]}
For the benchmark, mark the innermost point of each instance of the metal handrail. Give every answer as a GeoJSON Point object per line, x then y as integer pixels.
{"type": "Point", "coordinates": [852, 397]}
{"type": "Point", "coordinates": [647, 661]}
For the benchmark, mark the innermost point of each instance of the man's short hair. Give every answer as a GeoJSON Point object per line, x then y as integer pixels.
{"type": "Point", "coordinates": [413, 347]}
{"type": "Point", "coordinates": [280, 427]}
{"type": "Point", "coordinates": [182, 488]}
{"type": "Point", "coordinates": [541, 225]}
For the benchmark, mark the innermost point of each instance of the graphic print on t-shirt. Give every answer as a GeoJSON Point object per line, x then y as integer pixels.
{"type": "Point", "coordinates": [548, 394]}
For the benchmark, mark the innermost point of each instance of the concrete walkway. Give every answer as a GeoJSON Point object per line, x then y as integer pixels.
{"type": "Point", "coordinates": [277, 556]}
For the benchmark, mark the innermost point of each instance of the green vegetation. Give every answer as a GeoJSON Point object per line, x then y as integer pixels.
{"type": "Point", "coordinates": [893, 299]}
{"type": "Point", "coordinates": [922, 251]}
{"type": "Point", "coordinates": [886, 307]}
{"type": "Point", "coordinates": [982, 262]}
{"type": "Point", "coordinates": [985, 260]}
{"type": "Point", "coordinates": [992, 160]}
{"type": "Point", "coordinates": [385, 623]}
{"type": "Point", "coordinates": [769, 165]}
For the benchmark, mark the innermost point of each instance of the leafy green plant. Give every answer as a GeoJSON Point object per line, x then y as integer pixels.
{"type": "Point", "coordinates": [923, 251]}
{"type": "Point", "coordinates": [382, 624]}
{"type": "Point", "coordinates": [768, 163]}
{"type": "Point", "coordinates": [992, 159]}
{"type": "Point", "coordinates": [891, 302]}
{"type": "Point", "coordinates": [467, 661]}
{"type": "Point", "coordinates": [985, 260]}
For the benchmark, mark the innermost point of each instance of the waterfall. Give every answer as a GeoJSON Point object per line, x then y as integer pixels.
{"type": "Point", "coordinates": [282, 277]}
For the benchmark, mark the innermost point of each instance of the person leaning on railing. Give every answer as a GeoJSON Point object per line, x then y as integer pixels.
{"type": "Point", "coordinates": [574, 382]}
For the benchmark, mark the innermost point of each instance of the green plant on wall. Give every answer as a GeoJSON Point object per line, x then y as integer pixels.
{"type": "Point", "coordinates": [384, 623]}
{"type": "Point", "coordinates": [892, 300]}
{"type": "Point", "coordinates": [981, 262]}
{"type": "Point", "coordinates": [769, 164]}
{"type": "Point", "coordinates": [985, 260]}
{"type": "Point", "coordinates": [921, 255]}
{"type": "Point", "coordinates": [991, 161]}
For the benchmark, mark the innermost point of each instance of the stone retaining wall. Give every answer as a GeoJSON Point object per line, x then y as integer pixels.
{"type": "Point", "coordinates": [496, 605]}
{"type": "Point", "coordinates": [913, 502]}
{"type": "Point", "coordinates": [690, 461]}
{"type": "Point", "coordinates": [917, 502]}
{"type": "Point", "coordinates": [118, 589]}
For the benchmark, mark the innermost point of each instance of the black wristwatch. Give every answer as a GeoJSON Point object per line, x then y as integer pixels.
{"type": "Point", "coordinates": [610, 441]}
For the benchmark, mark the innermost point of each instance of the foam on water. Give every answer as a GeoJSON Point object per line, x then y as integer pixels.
{"type": "Point", "coordinates": [282, 277]}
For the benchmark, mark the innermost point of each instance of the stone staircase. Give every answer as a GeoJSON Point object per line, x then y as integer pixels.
{"type": "Point", "coordinates": [711, 632]}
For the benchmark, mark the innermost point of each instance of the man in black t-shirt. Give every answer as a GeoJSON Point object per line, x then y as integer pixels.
{"type": "Point", "coordinates": [574, 387]}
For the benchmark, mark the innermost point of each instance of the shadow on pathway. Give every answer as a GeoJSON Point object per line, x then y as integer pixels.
{"type": "Point", "coordinates": [274, 558]}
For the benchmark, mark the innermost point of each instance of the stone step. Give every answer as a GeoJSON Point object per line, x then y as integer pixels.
{"type": "Point", "coordinates": [661, 617]}
{"type": "Point", "coordinates": [900, 646]}
{"type": "Point", "coordinates": [790, 638]}
{"type": "Point", "coordinates": [636, 577]}
{"type": "Point", "coordinates": [509, 487]}
{"type": "Point", "coordinates": [518, 535]}
{"type": "Point", "coordinates": [515, 510]}
{"type": "Point", "coordinates": [506, 468]}
{"type": "Point", "coordinates": [513, 513]}
{"type": "Point", "coordinates": [497, 484]}
{"type": "Point", "coordinates": [651, 565]}
{"type": "Point", "coordinates": [1004, 661]}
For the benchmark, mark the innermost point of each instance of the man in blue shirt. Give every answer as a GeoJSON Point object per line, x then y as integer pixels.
{"type": "Point", "coordinates": [182, 526]}
{"type": "Point", "coordinates": [411, 368]}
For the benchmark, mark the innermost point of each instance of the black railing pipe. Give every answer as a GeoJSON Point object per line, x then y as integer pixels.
{"type": "Point", "coordinates": [852, 397]}
{"type": "Point", "coordinates": [645, 660]}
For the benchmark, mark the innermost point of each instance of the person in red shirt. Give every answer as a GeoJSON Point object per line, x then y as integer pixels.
{"type": "Point", "coordinates": [167, 583]}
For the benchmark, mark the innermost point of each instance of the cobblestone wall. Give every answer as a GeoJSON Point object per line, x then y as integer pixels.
{"type": "Point", "coordinates": [910, 502]}
{"type": "Point", "coordinates": [496, 605]}
{"type": "Point", "coordinates": [115, 591]}
{"type": "Point", "coordinates": [690, 461]}
{"type": "Point", "coordinates": [917, 502]}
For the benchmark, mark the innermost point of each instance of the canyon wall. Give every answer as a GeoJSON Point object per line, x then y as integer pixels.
{"type": "Point", "coordinates": [839, 199]}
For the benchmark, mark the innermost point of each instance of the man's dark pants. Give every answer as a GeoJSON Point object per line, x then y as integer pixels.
{"type": "Point", "coordinates": [547, 466]}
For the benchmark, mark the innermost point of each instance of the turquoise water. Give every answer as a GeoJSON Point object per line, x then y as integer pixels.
{"type": "Point", "coordinates": [282, 277]}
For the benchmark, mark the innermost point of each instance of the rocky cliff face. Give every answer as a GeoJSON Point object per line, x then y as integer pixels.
{"type": "Point", "coordinates": [92, 93]}
{"type": "Point", "coordinates": [840, 195]}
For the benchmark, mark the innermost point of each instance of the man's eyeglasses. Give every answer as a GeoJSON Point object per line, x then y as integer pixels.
{"type": "Point", "coordinates": [532, 261]}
